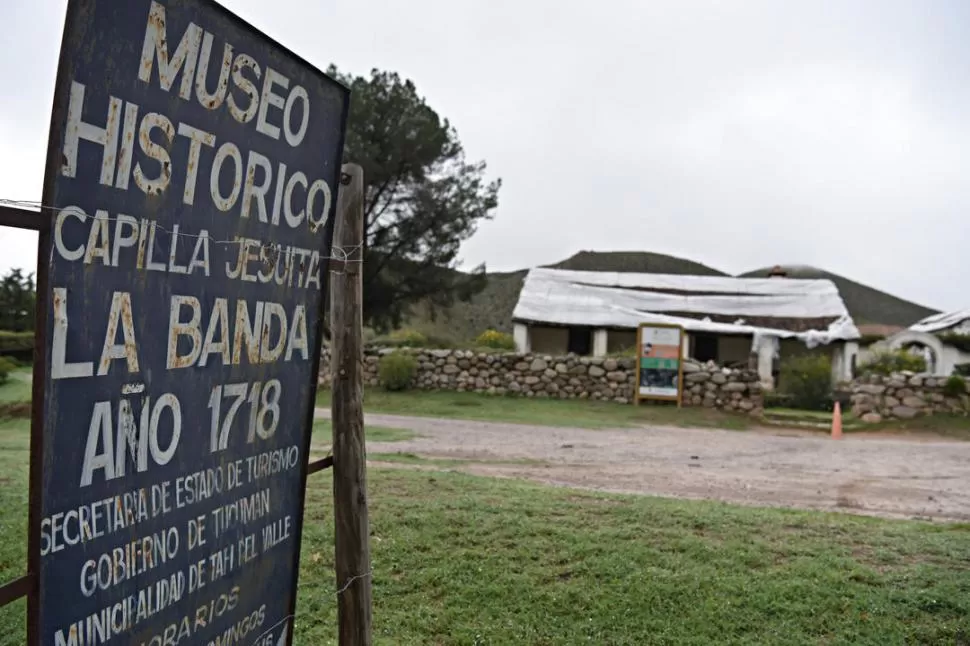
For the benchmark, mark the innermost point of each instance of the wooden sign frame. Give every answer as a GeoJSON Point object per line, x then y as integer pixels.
{"type": "Point", "coordinates": [637, 397]}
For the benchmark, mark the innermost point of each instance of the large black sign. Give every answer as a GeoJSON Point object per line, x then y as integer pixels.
{"type": "Point", "coordinates": [192, 179]}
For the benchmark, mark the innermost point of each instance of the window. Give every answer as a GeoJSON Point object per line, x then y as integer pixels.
{"type": "Point", "coordinates": [580, 340]}
{"type": "Point", "coordinates": [704, 347]}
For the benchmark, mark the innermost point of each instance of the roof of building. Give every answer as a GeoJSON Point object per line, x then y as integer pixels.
{"type": "Point", "coordinates": [879, 329]}
{"type": "Point", "coordinates": [940, 322]}
{"type": "Point", "coordinates": [811, 310]}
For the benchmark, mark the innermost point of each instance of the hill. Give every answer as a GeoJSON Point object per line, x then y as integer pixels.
{"type": "Point", "coordinates": [492, 308]}
{"type": "Point", "coordinates": [641, 262]}
{"type": "Point", "coordinates": [866, 304]}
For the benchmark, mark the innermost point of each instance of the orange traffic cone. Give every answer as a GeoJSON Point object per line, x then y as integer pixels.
{"type": "Point", "coordinates": [837, 422]}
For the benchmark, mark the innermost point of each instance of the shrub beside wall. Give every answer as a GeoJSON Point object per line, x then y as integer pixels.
{"type": "Point", "coordinates": [495, 340]}
{"type": "Point", "coordinates": [806, 381]}
{"type": "Point", "coordinates": [893, 361]}
{"type": "Point", "coordinates": [397, 370]}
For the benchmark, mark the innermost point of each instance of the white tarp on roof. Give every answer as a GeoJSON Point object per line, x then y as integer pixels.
{"type": "Point", "coordinates": [624, 300]}
{"type": "Point", "coordinates": [939, 322]}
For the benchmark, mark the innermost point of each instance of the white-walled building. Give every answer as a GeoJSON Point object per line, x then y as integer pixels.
{"type": "Point", "coordinates": [727, 320]}
{"type": "Point", "coordinates": [928, 337]}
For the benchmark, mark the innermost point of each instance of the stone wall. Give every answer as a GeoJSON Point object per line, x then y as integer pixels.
{"type": "Point", "coordinates": [564, 377]}
{"type": "Point", "coordinates": [902, 396]}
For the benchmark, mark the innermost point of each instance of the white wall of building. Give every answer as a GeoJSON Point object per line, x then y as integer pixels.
{"type": "Point", "coordinates": [946, 357]}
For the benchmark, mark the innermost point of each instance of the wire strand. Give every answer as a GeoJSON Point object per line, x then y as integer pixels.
{"type": "Point", "coordinates": [341, 254]}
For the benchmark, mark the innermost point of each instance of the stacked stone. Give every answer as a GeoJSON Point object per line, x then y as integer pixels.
{"type": "Point", "coordinates": [902, 395]}
{"type": "Point", "coordinates": [563, 377]}
{"type": "Point", "coordinates": [713, 386]}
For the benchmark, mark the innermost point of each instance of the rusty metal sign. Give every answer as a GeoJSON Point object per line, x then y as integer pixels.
{"type": "Point", "coordinates": [192, 176]}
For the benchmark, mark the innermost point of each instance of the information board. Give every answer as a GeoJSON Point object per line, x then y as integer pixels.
{"type": "Point", "coordinates": [192, 177]}
{"type": "Point", "coordinates": [659, 362]}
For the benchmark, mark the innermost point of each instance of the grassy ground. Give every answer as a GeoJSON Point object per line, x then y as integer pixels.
{"type": "Point", "coordinates": [952, 426]}
{"type": "Point", "coordinates": [590, 414]}
{"type": "Point", "coordinates": [323, 432]}
{"type": "Point", "coordinates": [420, 460]}
{"type": "Point", "coordinates": [545, 412]}
{"type": "Point", "coordinates": [465, 560]}
{"type": "Point", "coordinates": [17, 388]}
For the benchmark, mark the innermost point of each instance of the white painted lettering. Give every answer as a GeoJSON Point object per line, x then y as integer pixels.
{"type": "Point", "coordinates": [120, 312]}
{"type": "Point", "coordinates": [177, 329]}
{"type": "Point", "coordinates": [200, 256]}
{"type": "Point", "coordinates": [127, 146]}
{"type": "Point", "coordinates": [293, 219]}
{"type": "Point", "coordinates": [230, 151]}
{"type": "Point", "coordinates": [270, 98]}
{"type": "Point", "coordinates": [198, 138]}
{"type": "Point", "coordinates": [242, 62]}
{"type": "Point", "coordinates": [252, 190]}
{"type": "Point", "coordinates": [298, 93]}
{"type": "Point", "coordinates": [155, 47]}
{"type": "Point", "coordinates": [151, 121]}
{"type": "Point", "coordinates": [60, 368]}
{"type": "Point", "coordinates": [76, 130]}
{"type": "Point", "coordinates": [67, 254]}
{"type": "Point", "coordinates": [213, 100]}
{"type": "Point", "coordinates": [121, 240]}
{"type": "Point", "coordinates": [319, 186]}
{"type": "Point", "coordinates": [97, 246]}
{"type": "Point", "coordinates": [99, 432]}
{"type": "Point", "coordinates": [272, 311]}
{"type": "Point", "coordinates": [173, 267]}
{"type": "Point", "coordinates": [160, 455]}
{"type": "Point", "coordinates": [298, 336]}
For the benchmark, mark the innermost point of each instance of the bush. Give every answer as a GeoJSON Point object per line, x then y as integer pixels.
{"type": "Point", "coordinates": [962, 369]}
{"type": "Point", "coordinates": [868, 339]}
{"type": "Point", "coordinates": [888, 362]}
{"type": "Point", "coordinates": [495, 340]}
{"type": "Point", "coordinates": [6, 367]}
{"type": "Point", "coordinates": [408, 339]}
{"type": "Point", "coordinates": [776, 399]}
{"type": "Point", "coordinates": [16, 342]}
{"type": "Point", "coordinates": [807, 380]}
{"type": "Point", "coordinates": [955, 386]}
{"type": "Point", "coordinates": [959, 341]}
{"type": "Point", "coordinates": [397, 371]}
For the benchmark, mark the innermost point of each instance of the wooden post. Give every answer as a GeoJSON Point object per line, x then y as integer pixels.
{"type": "Point", "coordinates": [352, 527]}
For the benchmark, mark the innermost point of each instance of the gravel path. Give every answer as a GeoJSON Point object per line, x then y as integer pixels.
{"type": "Point", "coordinates": [877, 475]}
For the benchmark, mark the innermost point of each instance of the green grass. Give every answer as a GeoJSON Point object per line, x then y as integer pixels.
{"type": "Point", "coordinates": [412, 458]}
{"type": "Point", "coordinates": [465, 560]}
{"type": "Point", "coordinates": [951, 426]}
{"type": "Point", "coordinates": [543, 412]}
{"type": "Point", "coordinates": [14, 466]}
{"type": "Point", "coordinates": [323, 432]}
{"type": "Point", "coordinates": [17, 388]}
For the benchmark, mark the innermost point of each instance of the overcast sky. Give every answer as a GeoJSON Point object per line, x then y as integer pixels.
{"type": "Point", "coordinates": [738, 134]}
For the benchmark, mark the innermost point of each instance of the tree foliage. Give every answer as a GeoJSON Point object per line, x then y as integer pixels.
{"type": "Point", "coordinates": [17, 297]}
{"type": "Point", "coordinates": [423, 199]}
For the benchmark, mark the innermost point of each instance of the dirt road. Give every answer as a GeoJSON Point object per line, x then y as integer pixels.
{"type": "Point", "coordinates": [884, 476]}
